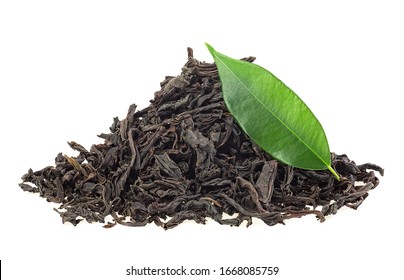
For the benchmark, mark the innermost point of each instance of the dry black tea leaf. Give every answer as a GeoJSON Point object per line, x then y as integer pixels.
{"type": "Point", "coordinates": [185, 158]}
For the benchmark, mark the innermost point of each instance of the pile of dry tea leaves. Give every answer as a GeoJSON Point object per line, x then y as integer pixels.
{"type": "Point", "coordinates": [185, 158]}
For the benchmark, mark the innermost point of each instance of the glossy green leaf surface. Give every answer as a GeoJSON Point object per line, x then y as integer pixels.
{"type": "Point", "coordinates": [272, 115]}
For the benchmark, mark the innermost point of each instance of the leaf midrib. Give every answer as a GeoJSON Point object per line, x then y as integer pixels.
{"type": "Point", "coordinates": [280, 120]}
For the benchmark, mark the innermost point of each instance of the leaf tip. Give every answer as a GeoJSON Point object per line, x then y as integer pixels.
{"type": "Point", "coordinates": [210, 48]}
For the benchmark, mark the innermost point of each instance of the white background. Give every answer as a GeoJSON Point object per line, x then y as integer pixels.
{"type": "Point", "coordinates": [68, 67]}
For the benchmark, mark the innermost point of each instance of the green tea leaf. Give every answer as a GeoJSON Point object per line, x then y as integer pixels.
{"type": "Point", "coordinates": [272, 114]}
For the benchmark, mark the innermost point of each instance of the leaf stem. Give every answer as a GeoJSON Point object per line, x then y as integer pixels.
{"type": "Point", "coordinates": [333, 172]}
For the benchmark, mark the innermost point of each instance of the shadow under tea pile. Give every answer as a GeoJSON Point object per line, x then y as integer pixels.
{"type": "Point", "coordinates": [185, 158]}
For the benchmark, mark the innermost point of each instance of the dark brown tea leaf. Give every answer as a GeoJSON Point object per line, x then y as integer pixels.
{"type": "Point", "coordinates": [185, 158]}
